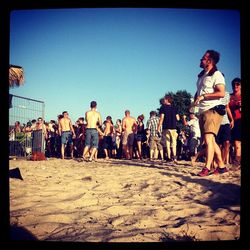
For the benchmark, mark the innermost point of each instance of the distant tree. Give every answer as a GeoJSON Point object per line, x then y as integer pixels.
{"type": "Point", "coordinates": [181, 100]}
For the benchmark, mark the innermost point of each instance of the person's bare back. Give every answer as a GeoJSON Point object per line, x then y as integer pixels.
{"type": "Point", "coordinates": [92, 118]}
{"type": "Point", "coordinates": [108, 129]}
{"type": "Point", "coordinates": [65, 124]}
{"type": "Point", "coordinates": [128, 123]}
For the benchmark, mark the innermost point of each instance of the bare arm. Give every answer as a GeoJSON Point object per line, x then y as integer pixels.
{"type": "Point", "coordinates": [230, 116]}
{"type": "Point", "coordinates": [60, 128]}
{"type": "Point", "coordinates": [123, 124]}
{"type": "Point", "coordinates": [71, 128]}
{"type": "Point", "coordinates": [100, 119]}
{"type": "Point", "coordinates": [135, 125]}
{"type": "Point", "coordinates": [184, 120]}
{"type": "Point", "coordinates": [160, 122]}
{"type": "Point", "coordinates": [219, 92]}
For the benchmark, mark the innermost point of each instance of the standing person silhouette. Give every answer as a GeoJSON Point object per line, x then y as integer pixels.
{"type": "Point", "coordinates": [66, 131]}
{"type": "Point", "coordinates": [93, 119]}
{"type": "Point", "coordinates": [210, 90]}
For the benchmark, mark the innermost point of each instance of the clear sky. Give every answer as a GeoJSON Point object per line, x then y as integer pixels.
{"type": "Point", "coordinates": [124, 58]}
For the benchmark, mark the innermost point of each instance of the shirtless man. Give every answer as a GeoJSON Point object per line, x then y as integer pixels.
{"type": "Point", "coordinates": [107, 139]}
{"type": "Point", "coordinates": [129, 127]}
{"type": "Point", "coordinates": [93, 119]}
{"type": "Point", "coordinates": [65, 131]}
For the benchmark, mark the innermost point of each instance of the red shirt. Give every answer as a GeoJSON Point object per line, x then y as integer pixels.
{"type": "Point", "coordinates": [235, 106]}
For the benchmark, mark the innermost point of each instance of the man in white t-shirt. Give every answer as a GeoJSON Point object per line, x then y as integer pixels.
{"type": "Point", "coordinates": [210, 90]}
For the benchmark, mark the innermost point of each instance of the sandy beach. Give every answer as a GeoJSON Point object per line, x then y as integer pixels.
{"type": "Point", "coordinates": [122, 201]}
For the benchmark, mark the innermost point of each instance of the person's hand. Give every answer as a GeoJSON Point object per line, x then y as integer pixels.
{"type": "Point", "coordinates": [232, 124]}
{"type": "Point", "coordinates": [198, 99]}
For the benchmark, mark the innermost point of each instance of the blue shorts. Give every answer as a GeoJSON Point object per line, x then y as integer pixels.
{"type": "Point", "coordinates": [66, 137]}
{"type": "Point", "coordinates": [91, 139]}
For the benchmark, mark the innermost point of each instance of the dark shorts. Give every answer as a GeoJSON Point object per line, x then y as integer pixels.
{"type": "Point", "coordinates": [139, 137]}
{"type": "Point", "coordinates": [91, 139]}
{"type": "Point", "coordinates": [66, 137]}
{"type": "Point", "coordinates": [107, 142]}
{"type": "Point", "coordinates": [224, 134]}
{"type": "Point", "coordinates": [236, 130]}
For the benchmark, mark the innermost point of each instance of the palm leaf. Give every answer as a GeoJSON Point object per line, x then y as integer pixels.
{"type": "Point", "coordinates": [16, 76]}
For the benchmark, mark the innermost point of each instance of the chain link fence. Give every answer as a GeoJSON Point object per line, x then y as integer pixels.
{"type": "Point", "coordinates": [24, 110]}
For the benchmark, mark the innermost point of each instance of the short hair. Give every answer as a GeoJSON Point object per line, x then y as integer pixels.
{"type": "Point", "coordinates": [93, 104]}
{"type": "Point", "coordinates": [64, 112]}
{"type": "Point", "coordinates": [127, 112]}
{"type": "Point", "coordinates": [141, 117]}
{"type": "Point", "coordinates": [60, 117]}
{"type": "Point", "coordinates": [169, 98]}
{"type": "Point", "coordinates": [152, 113]}
{"type": "Point", "coordinates": [214, 56]}
{"type": "Point", "coordinates": [81, 118]}
{"type": "Point", "coordinates": [236, 80]}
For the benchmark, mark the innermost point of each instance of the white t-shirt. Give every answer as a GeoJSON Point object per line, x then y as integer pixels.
{"type": "Point", "coordinates": [206, 84]}
{"type": "Point", "coordinates": [225, 100]}
{"type": "Point", "coordinates": [195, 127]}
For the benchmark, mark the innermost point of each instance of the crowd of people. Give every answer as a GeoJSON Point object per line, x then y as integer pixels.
{"type": "Point", "coordinates": [214, 131]}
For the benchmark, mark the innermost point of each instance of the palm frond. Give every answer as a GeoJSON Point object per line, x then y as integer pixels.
{"type": "Point", "coordinates": [16, 76]}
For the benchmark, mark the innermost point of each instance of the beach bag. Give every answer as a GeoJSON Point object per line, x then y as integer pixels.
{"type": "Point", "coordinates": [37, 156]}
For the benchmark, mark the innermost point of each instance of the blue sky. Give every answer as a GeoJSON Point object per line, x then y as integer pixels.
{"type": "Point", "coordinates": [124, 58]}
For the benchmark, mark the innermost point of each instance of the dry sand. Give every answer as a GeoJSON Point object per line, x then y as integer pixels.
{"type": "Point", "coordinates": [122, 201]}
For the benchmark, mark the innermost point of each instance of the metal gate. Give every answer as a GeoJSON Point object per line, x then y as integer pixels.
{"type": "Point", "coordinates": [24, 110]}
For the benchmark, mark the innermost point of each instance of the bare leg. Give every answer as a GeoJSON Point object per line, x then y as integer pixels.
{"type": "Point", "coordinates": [161, 154]}
{"type": "Point", "coordinates": [225, 152]}
{"type": "Point", "coordinates": [85, 151]}
{"type": "Point", "coordinates": [106, 154]}
{"type": "Point", "coordinates": [197, 156]}
{"type": "Point", "coordinates": [217, 154]}
{"type": "Point", "coordinates": [156, 154]}
{"type": "Point", "coordinates": [210, 143]}
{"type": "Point", "coordinates": [130, 152]}
{"type": "Point", "coordinates": [237, 151]}
{"type": "Point", "coordinates": [72, 151]}
{"type": "Point", "coordinates": [92, 156]}
{"type": "Point", "coordinates": [139, 148]}
{"type": "Point", "coordinates": [62, 150]}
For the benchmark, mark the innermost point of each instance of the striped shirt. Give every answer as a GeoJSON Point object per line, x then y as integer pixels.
{"type": "Point", "coordinates": [152, 124]}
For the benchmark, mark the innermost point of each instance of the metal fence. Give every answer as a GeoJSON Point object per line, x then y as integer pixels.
{"type": "Point", "coordinates": [24, 110]}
